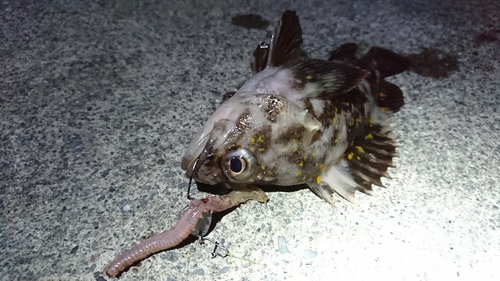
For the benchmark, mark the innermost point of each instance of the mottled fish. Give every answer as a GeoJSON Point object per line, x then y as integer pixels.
{"type": "Point", "coordinates": [298, 120]}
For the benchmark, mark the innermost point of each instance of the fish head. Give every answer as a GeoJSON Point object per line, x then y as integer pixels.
{"type": "Point", "coordinates": [240, 144]}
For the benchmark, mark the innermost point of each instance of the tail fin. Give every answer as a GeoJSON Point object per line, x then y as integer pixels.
{"type": "Point", "coordinates": [383, 63]}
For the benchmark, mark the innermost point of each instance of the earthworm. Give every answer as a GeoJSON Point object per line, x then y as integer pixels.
{"type": "Point", "coordinates": [181, 230]}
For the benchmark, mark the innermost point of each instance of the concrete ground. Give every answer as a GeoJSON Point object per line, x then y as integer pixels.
{"type": "Point", "coordinates": [99, 100]}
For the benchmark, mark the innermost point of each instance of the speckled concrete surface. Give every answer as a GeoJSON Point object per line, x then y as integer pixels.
{"type": "Point", "coordinates": [99, 100]}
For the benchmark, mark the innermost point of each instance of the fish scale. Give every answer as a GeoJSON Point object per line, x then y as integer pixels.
{"type": "Point", "coordinates": [298, 120]}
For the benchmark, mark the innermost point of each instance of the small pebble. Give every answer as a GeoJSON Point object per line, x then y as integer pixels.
{"type": "Point", "coordinates": [282, 245]}
{"type": "Point", "coordinates": [199, 272]}
{"type": "Point", "coordinates": [310, 254]}
{"type": "Point", "coordinates": [126, 208]}
{"type": "Point", "coordinates": [224, 269]}
{"type": "Point", "coordinates": [73, 251]}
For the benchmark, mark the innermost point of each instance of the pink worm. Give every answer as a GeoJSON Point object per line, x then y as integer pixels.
{"type": "Point", "coordinates": [181, 230]}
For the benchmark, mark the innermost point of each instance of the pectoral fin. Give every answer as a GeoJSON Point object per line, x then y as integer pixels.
{"type": "Point", "coordinates": [364, 163]}
{"type": "Point", "coordinates": [336, 179]}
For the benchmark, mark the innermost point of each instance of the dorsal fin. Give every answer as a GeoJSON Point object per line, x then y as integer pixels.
{"type": "Point", "coordinates": [260, 57]}
{"type": "Point", "coordinates": [346, 52]}
{"type": "Point", "coordinates": [286, 39]}
{"type": "Point", "coordinates": [285, 43]}
{"type": "Point", "coordinates": [317, 78]}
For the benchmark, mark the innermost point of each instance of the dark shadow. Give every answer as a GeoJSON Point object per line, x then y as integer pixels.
{"type": "Point", "coordinates": [275, 188]}
{"type": "Point", "coordinates": [433, 63]}
{"type": "Point", "coordinates": [212, 189]}
{"type": "Point", "coordinates": [250, 21]}
{"type": "Point", "coordinates": [221, 190]}
{"type": "Point", "coordinates": [487, 37]}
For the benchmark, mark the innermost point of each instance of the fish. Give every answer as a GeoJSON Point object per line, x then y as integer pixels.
{"type": "Point", "coordinates": [325, 123]}
{"type": "Point", "coordinates": [297, 120]}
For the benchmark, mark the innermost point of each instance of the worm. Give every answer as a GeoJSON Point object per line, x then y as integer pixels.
{"type": "Point", "coordinates": [181, 230]}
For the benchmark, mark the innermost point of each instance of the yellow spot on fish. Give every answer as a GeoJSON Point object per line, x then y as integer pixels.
{"type": "Point", "coordinates": [309, 77]}
{"type": "Point", "coordinates": [295, 149]}
{"type": "Point", "coordinates": [261, 149]}
{"type": "Point", "coordinates": [336, 140]}
{"type": "Point", "coordinates": [305, 158]}
{"type": "Point", "coordinates": [252, 140]}
{"type": "Point", "coordinates": [336, 109]}
{"type": "Point", "coordinates": [260, 139]}
{"type": "Point", "coordinates": [334, 120]}
{"type": "Point", "coordinates": [384, 109]}
{"type": "Point", "coordinates": [371, 120]}
{"type": "Point", "coordinates": [298, 173]}
{"type": "Point", "coordinates": [357, 157]}
{"type": "Point", "coordinates": [369, 136]}
{"type": "Point", "coordinates": [252, 149]}
{"type": "Point", "coordinates": [263, 167]}
{"type": "Point", "coordinates": [318, 179]}
{"type": "Point", "coordinates": [340, 136]}
{"type": "Point", "coordinates": [313, 154]}
{"type": "Point", "coordinates": [350, 155]}
{"type": "Point", "coordinates": [323, 168]}
{"type": "Point", "coordinates": [316, 164]}
{"type": "Point", "coordinates": [360, 149]}
{"type": "Point", "coordinates": [304, 178]}
{"type": "Point", "coordinates": [301, 164]}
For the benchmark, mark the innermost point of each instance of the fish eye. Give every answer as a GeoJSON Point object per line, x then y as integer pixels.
{"type": "Point", "coordinates": [239, 164]}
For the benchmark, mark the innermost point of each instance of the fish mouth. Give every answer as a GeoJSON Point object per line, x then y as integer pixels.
{"type": "Point", "coordinates": [190, 158]}
{"type": "Point", "coordinates": [193, 166]}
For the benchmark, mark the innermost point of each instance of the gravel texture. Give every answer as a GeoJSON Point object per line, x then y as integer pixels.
{"type": "Point", "coordinates": [99, 100]}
